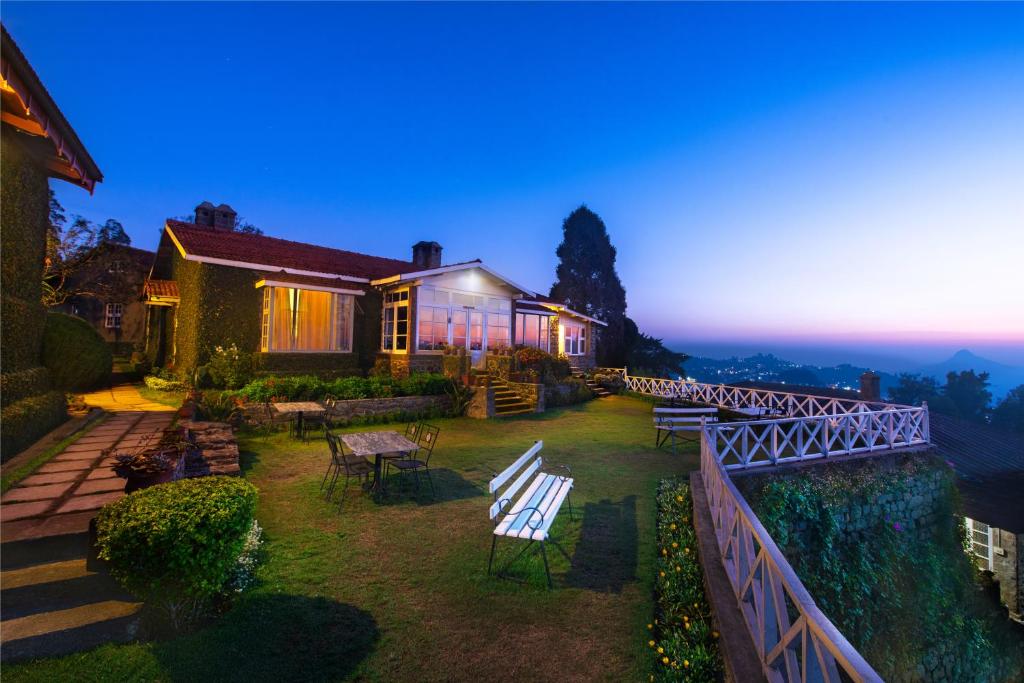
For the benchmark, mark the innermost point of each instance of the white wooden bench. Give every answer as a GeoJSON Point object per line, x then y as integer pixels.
{"type": "Point", "coordinates": [530, 515]}
{"type": "Point", "coordinates": [670, 421]}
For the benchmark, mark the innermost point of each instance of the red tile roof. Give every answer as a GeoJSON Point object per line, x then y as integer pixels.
{"type": "Point", "coordinates": [202, 241]}
{"type": "Point", "coordinates": [160, 288]}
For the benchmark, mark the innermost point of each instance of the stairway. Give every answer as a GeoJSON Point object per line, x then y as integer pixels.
{"type": "Point", "coordinates": [506, 401]}
{"type": "Point", "coordinates": [595, 388]}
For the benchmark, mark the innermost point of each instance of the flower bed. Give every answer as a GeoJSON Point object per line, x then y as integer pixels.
{"type": "Point", "coordinates": [683, 636]}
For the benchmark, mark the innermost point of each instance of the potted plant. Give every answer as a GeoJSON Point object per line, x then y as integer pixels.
{"type": "Point", "coordinates": [154, 464]}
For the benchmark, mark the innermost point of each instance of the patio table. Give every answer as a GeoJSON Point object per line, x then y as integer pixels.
{"type": "Point", "coordinates": [299, 408]}
{"type": "Point", "coordinates": [378, 445]}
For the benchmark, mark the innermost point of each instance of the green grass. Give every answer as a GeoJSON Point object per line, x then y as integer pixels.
{"type": "Point", "coordinates": [173, 399]}
{"type": "Point", "coordinates": [399, 590]}
{"type": "Point", "coordinates": [12, 477]}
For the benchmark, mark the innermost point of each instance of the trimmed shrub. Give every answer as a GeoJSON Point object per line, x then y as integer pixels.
{"type": "Point", "coordinates": [310, 388]}
{"type": "Point", "coordinates": [15, 386]}
{"type": "Point", "coordinates": [76, 355]}
{"type": "Point", "coordinates": [230, 368]}
{"type": "Point", "coordinates": [176, 545]}
{"type": "Point", "coordinates": [161, 384]}
{"type": "Point", "coordinates": [610, 382]}
{"type": "Point", "coordinates": [549, 368]}
{"type": "Point", "coordinates": [27, 420]}
{"type": "Point", "coordinates": [567, 392]}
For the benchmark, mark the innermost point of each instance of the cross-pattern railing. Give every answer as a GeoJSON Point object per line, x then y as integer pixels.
{"type": "Point", "coordinates": [793, 638]}
{"type": "Point", "coordinates": [765, 401]}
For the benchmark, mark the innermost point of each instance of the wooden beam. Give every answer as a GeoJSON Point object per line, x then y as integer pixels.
{"type": "Point", "coordinates": [22, 123]}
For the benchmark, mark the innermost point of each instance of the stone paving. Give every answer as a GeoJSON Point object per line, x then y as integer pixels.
{"type": "Point", "coordinates": [53, 601]}
{"type": "Point", "coordinates": [63, 495]}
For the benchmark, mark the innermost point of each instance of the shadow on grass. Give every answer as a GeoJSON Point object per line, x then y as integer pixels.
{"type": "Point", "coordinates": [449, 485]}
{"type": "Point", "coordinates": [274, 637]}
{"type": "Point", "coordinates": [606, 553]}
{"type": "Point", "coordinates": [247, 460]}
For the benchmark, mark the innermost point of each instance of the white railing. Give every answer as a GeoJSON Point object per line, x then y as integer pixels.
{"type": "Point", "coordinates": [754, 443]}
{"type": "Point", "coordinates": [764, 401]}
{"type": "Point", "coordinates": [793, 638]}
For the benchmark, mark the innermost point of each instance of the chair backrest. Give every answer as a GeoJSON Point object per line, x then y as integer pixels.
{"type": "Point", "coordinates": [412, 431]}
{"type": "Point", "coordinates": [526, 466]}
{"type": "Point", "coordinates": [427, 439]}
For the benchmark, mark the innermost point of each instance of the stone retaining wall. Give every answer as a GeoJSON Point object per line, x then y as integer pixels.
{"type": "Point", "coordinates": [346, 410]}
{"type": "Point", "coordinates": [530, 393]}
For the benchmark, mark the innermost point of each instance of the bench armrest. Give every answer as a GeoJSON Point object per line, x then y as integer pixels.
{"type": "Point", "coordinates": [529, 520]}
{"type": "Point", "coordinates": [560, 467]}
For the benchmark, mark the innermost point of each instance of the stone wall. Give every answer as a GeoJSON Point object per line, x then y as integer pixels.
{"type": "Point", "coordinates": [1008, 567]}
{"type": "Point", "coordinates": [401, 365]}
{"type": "Point", "coordinates": [481, 406]}
{"type": "Point", "coordinates": [530, 393]}
{"type": "Point", "coordinates": [361, 407]}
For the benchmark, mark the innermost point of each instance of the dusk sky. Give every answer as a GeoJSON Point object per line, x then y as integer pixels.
{"type": "Point", "coordinates": [785, 173]}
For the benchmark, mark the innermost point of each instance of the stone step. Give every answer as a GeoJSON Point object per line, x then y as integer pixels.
{"type": "Point", "coordinates": [513, 408]}
{"type": "Point", "coordinates": [507, 413]}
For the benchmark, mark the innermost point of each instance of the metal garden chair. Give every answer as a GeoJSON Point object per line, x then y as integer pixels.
{"type": "Point", "coordinates": [420, 460]}
{"type": "Point", "coordinates": [345, 464]}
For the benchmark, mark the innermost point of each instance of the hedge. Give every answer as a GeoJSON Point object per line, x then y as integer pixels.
{"type": "Point", "coordinates": [682, 637]}
{"type": "Point", "coordinates": [15, 386]}
{"type": "Point", "coordinates": [76, 355]}
{"type": "Point", "coordinates": [26, 421]}
{"type": "Point", "coordinates": [177, 544]}
{"type": "Point", "coordinates": [310, 388]}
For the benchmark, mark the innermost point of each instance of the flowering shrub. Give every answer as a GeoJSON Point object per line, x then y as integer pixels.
{"type": "Point", "coordinates": [160, 384]}
{"type": "Point", "coordinates": [549, 368]}
{"type": "Point", "coordinates": [230, 368]}
{"type": "Point", "coordinates": [244, 576]}
{"type": "Point", "coordinates": [682, 637]}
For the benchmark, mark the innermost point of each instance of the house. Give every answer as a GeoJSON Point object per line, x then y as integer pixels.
{"type": "Point", "coordinates": [113, 278]}
{"type": "Point", "coordinates": [305, 308]}
{"type": "Point", "coordinates": [38, 143]}
{"type": "Point", "coordinates": [989, 465]}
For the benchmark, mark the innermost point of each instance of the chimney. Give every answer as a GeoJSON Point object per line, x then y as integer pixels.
{"type": "Point", "coordinates": [426, 255]}
{"type": "Point", "coordinates": [870, 387]}
{"type": "Point", "coordinates": [217, 217]}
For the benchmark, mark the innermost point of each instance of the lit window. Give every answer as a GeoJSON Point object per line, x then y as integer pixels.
{"type": "Point", "coordinates": [575, 338]}
{"type": "Point", "coordinates": [113, 316]}
{"type": "Point", "coordinates": [497, 331]}
{"type": "Point", "coordinates": [303, 320]}
{"type": "Point", "coordinates": [980, 535]}
{"type": "Point", "coordinates": [395, 327]}
{"type": "Point", "coordinates": [433, 328]}
{"type": "Point", "coordinates": [532, 330]}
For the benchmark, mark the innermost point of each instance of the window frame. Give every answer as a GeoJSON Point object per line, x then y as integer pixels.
{"type": "Point", "coordinates": [392, 303]}
{"type": "Point", "coordinates": [571, 341]}
{"type": "Point", "coordinates": [542, 325]}
{"type": "Point", "coordinates": [976, 527]}
{"type": "Point", "coordinates": [112, 315]}
{"type": "Point", "coordinates": [336, 305]}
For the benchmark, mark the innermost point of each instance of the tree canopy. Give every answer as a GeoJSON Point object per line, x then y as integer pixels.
{"type": "Point", "coordinates": [586, 281]}
{"type": "Point", "coordinates": [965, 394]}
{"type": "Point", "coordinates": [646, 355]}
{"type": "Point", "coordinates": [1009, 414]}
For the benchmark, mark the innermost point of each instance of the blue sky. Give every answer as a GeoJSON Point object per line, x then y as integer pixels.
{"type": "Point", "coordinates": [813, 173]}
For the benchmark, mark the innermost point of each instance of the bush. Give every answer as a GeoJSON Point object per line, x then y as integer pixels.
{"type": "Point", "coordinates": [160, 384]}
{"type": "Point", "coordinates": [610, 381]}
{"type": "Point", "coordinates": [218, 407]}
{"type": "Point", "coordinates": [567, 392]}
{"type": "Point", "coordinates": [549, 368]}
{"type": "Point", "coordinates": [230, 368]}
{"type": "Point", "coordinates": [14, 386]}
{"type": "Point", "coordinates": [682, 636]}
{"type": "Point", "coordinates": [176, 545]}
{"type": "Point", "coordinates": [75, 353]}
{"type": "Point", "coordinates": [28, 420]}
{"type": "Point", "coordinates": [310, 388]}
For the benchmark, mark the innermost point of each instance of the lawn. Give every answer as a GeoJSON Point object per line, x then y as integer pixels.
{"type": "Point", "coordinates": [399, 590]}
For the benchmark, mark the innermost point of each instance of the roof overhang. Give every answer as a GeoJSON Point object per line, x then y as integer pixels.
{"type": "Point", "coordinates": [316, 287]}
{"type": "Point", "coordinates": [257, 266]}
{"type": "Point", "coordinates": [533, 308]}
{"type": "Point", "coordinates": [28, 107]}
{"type": "Point", "coordinates": [160, 293]}
{"type": "Point", "coordinates": [420, 274]}
{"type": "Point", "coordinates": [559, 308]}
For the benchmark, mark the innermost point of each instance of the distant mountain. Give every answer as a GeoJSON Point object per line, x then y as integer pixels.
{"type": "Point", "coordinates": [1002, 377]}
{"type": "Point", "coordinates": [766, 367]}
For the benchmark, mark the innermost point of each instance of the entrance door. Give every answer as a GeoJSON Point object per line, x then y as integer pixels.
{"type": "Point", "coordinates": [468, 333]}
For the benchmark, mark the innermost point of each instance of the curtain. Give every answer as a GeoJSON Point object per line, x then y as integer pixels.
{"type": "Point", "coordinates": [313, 326]}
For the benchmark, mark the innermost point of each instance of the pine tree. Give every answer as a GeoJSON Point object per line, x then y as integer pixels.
{"type": "Point", "coordinates": [587, 282]}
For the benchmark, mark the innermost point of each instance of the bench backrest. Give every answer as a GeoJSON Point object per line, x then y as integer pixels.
{"type": "Point", "coordinates": [685, 411]}
{"type": "Point", "coordinates": [681, 418]}
{"type": "Point", "coordinates": [526, 465]}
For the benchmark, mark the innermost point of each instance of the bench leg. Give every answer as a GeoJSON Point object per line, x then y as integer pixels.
{"type": "Point", "coordinates": [547, 571]}
{"type": "Point", "coordinates": [568, 499]}
{"type": "Point", "coordinates": [490, 562]}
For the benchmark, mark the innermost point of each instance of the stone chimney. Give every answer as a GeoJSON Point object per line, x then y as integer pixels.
{"type": "Point", "coordinates": [217, 217]}
{"type": "Point", "coordinates": [426, 255]}
{"type": "Point", "coordinates": [870, 387]}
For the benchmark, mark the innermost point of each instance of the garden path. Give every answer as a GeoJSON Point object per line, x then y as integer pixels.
{"type": "Point", "coordinates": [55, 599]}
{"type": "Point", "coordinates": [121, 398]}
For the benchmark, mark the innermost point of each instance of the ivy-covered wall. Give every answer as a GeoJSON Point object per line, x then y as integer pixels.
{"type": "Point", "coordinates": [30, 410]}
{"type": "Point", "coordinates": [221, 306]}
{"type": "Point", "coordinates": [878, 542]}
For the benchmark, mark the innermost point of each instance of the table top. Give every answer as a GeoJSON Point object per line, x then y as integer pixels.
{"type": "Point", "coordinates": [299, 407]}
{"type": "Point", "coordinates": [375, 443]}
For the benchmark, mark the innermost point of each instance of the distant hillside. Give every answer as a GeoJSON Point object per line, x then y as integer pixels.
{"type": "Point", "coordinates": [1001, 377]}
{"type": "Point", "coordinates": [765, 367]}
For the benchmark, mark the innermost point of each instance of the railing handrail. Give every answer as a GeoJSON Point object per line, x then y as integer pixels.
{"type": "Point", "coordinates": [630, 380]}
{"type": "Point", "coordinates": [821, 631]}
